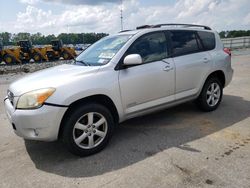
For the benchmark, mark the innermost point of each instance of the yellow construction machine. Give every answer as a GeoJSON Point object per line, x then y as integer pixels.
{"type": "Point", "coordinates": [58, 50]}
{"type": "Point", "coordinates": [28, 52]}
{"type": "Point", "coordinates": [9, 55]}
{"type": "Point", "coordinates": [1, 49]}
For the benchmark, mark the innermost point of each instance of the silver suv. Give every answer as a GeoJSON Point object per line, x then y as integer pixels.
{"type": "Point", "coordinates": [119, 77]}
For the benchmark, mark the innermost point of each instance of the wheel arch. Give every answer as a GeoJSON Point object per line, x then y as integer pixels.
{"type": "Point", "coordinates": [218, 74]}
{"type": "Point", "coordinates": [99, 99]}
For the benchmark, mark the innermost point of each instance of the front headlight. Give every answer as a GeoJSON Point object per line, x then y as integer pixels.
{"type": "Point", "coordinates": [34, 99]}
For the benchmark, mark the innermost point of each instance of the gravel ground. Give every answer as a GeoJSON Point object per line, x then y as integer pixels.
{"type": "Point", "coordinates": [177, 147]}
{"type": "Point", "coordinates": [29, 67]}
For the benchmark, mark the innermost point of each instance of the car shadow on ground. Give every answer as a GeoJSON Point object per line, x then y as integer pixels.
{"type": "Point", "coordinates": [140, 138]}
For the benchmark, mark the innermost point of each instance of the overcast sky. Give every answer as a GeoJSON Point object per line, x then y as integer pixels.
{"type": "Point", "coordinates": [57, 16]}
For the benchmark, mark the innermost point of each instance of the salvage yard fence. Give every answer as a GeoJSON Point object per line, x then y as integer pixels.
{"type": "Point", "coordinates": [238, 42]}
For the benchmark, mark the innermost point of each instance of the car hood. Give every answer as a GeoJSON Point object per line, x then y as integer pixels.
{"type": "Point", "coordinates": [51, 77]}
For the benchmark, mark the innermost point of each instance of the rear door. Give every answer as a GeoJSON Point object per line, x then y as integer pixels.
{"type": "Point", "coordinates": [191, 61]}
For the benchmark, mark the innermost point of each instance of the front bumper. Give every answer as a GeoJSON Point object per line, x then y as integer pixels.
{"type": "Point", "coordinates": [37, 124]}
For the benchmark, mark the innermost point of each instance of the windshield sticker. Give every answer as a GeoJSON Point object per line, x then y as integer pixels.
{"type": "Point", "coordinates": [106, 55]}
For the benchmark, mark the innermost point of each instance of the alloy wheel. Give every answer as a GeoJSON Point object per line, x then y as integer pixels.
{"type": "Point", "coordinates": [90, 130]}
{"type": "Point", "coordinates": [213, 94]}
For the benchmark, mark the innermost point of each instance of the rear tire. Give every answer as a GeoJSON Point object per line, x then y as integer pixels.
{"type": "Point", "coordinates": [211, 95]}
{"type": "Point", "coordinates": [37, 57]}
{"type": "Point", "coordinates": [87, 129]}
{"type": "Point", "coordinates": [66, 56]}
{"type": "Point", "coordinates": [9, 59]}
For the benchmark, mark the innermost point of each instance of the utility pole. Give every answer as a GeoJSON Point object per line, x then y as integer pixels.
{"type": "Point", "coordinates": [67, 28]}
{"type": "Point", "coordinates": [68, 41]}
{"type": "Point", "coordinates": [121, 15]}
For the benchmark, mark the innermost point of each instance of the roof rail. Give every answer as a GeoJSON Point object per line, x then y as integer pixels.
{"type": "Point", "coordinates": [145, 26]}
{"type": "Point", "coordinates": [124, 31]}
{"type": "Point", "coordinates": [184, 25]}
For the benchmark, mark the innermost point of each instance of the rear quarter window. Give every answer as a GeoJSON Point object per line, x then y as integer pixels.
{"type": "Point", "coordinates": [208, 40]}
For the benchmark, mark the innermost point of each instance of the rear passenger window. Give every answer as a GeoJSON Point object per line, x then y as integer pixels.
{"type": "Point", "coordinates": [151, 47]}
{"type": "Point", "coordinates": [184, 42]}
{"type": "Point", "coordinates": [208, 40]}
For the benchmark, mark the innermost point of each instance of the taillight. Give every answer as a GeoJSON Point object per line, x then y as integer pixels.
{"type": "Point", "coordinates": [228, 51]}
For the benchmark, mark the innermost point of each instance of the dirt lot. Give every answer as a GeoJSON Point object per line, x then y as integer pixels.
{"type": "Point", "coordinates": [178, 147]}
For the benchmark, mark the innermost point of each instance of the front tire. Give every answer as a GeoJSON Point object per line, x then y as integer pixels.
{"type": "Point", "coordinates": [211, 95]}
{"type": "Point", "coordinates": [51, 56]}
{"type": "Point", "coordinates": [87, 129]}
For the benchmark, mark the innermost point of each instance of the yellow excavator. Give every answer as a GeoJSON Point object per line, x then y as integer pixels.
{"type": "Point", "coordinates": [28, 52]}
{"type": "Point", "coordinates": [58, 50]}
{"type": "Point", "coordinates": [9, 55]}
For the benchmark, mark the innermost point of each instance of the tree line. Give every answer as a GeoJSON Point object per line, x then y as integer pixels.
{"type": "Point", "coordinates": [234, 33]}
{"type": "Point", "coordinates": [82, 38]}
{"type": "Point", "coordinates": [40, 39]}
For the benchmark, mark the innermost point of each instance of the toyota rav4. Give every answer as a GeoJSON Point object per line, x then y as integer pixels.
{"type": "Point", "coordinates": [122, 76]}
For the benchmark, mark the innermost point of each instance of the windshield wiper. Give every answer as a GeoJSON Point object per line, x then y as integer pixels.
{"type": "Point", "coordinates": [82, 62]}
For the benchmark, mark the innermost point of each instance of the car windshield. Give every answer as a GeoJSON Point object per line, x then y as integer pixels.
{"type": "Point", "coordinates": [102, 51]}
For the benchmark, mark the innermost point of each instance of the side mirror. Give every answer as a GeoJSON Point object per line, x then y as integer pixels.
{"type": "Point", "coordinates": [132, 59]}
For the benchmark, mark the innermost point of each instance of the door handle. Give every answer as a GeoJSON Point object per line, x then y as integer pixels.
{"type": "Point", "coordinates": [168, 68]}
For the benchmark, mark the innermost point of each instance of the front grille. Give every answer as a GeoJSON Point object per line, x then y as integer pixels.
{"type": "Point", "coordinates": [10, 96]}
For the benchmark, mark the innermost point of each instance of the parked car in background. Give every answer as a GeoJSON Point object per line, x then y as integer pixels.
{"type": "Point", "coordinates": [126, 75]}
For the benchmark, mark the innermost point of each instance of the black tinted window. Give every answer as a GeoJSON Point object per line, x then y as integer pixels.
{"type": "Point", "coordinates": [208, 39]}
{"type": "Point", "coordinates": [151, 47]}
{"type": "Point", "coordinates": [184, 42]}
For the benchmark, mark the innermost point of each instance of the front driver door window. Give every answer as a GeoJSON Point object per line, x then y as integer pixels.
{"type": "Point", "coordinates": [151, 47]}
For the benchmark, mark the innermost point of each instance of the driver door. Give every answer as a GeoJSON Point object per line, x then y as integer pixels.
{"type": "Point", "coordinates": [152, 83]}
